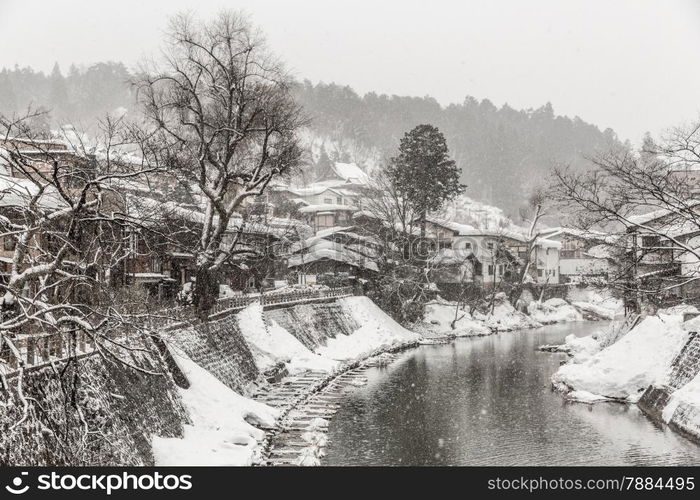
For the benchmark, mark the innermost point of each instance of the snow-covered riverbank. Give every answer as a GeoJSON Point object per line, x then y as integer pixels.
{"type": "Point", "coordinates": [225, 426]}
{"type": "Point", "coordinates": [655, 364]}
{"type": "Point", "coordinates": [445, 318]}
{"type": "Point", "coordinates": [626, 368]}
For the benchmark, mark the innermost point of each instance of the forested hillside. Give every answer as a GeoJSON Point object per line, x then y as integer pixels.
{"type": "Point", "coordinates": [503, 152]}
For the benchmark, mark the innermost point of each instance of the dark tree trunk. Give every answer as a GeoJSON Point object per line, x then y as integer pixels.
{"type": "Point", "coordinates": [206, 291]}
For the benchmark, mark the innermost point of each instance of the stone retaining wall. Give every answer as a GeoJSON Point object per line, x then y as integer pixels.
{"type": "Point", "coordinates": [312, 324]}
{"type": "Point", "coordinates": [89, 411]}
{"type": "Point", "coordinates": [219, 347]}
{"type": "Point", "coordinates": [685, 367]}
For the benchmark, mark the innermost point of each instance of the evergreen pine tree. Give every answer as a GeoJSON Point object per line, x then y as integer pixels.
{"type": "Point", "coordinates": [8, 99]}
{"type": "Point", "coordinates": [423, 171]}
{"type": "Point", "coordinates": [58, 93]}
{"type": "Point", "coordinates": [323, 165]}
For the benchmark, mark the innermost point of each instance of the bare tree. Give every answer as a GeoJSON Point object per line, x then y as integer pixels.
{"type": "Point", "coordinates": [222, 113]}
{"type": "Point", "coordinates": [63, 225]}
{"type": "Point", "coordinates": [533, 214]}
{"type": "Point", "coordinates": [650, 194]}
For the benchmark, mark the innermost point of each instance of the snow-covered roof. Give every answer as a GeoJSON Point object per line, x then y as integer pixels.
{"type": "Point", "coordinates": [310, 209]}
{"type": "Point", "coordinates": [545, 243]}
{"type": "Point", "coordinates": [653, 215]}
{"type": "Point", "coordinates": [457, 227]}
{"type": "Point", "coordinates": [332, 251]}
{"type": "Point", "coordinates": [151, 209]}
{"type": "Point", "coordinates": [326, 234]}
{"type": "Point", "coordinates": [587, 234]}
{"type": "Point", "coordinates": [311, 190]}
{"type": "Point", "coordinates": [17, 192]}
{"type": "Point", "coordinates": [600, 252]}
{"type": "Point", "coordinates": [350, 172]}
{"type": "Point", "coordinates": [684, 167]}
{"type": "Point", "coordinates": [648, 217]}
{"type": "Point", "coordinates": [504, 233]}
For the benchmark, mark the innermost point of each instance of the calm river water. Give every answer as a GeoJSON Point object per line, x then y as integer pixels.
{"type": "Point", "coordinates": [487, 401]}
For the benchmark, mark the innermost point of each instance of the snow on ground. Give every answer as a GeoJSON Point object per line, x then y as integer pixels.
{"type": "Point", "coordinates": [505, 317]}
{"type": "Point", "coordinates": [221, 432]}
{"type": "Point", "coordinates": [598, 302]}
{"type": "Point", "coordinates": [581, 348]}
{"type": "Point", "coordinates": [585, 397]}
{"type": "Point", "coordinates": [377, 331]}
{"type": "Point", "coordinates": [439, 316]}
{"type": "Point", "coordinates": [553, 311]}
{"type": "Point", "coordinates": [626, 368]}
{"type": "Point", "coordinates": [273, 344]}
{"type": "Point", "coordinates": [689, 393]}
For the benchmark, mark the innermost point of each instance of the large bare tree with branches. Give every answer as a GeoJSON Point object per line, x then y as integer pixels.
{"type": "Point", "coordinates": [64, 227]}
{"type": "Point", "coordinates": [221, 111]}
{"type": "Point", "coordinates": [648, 200]}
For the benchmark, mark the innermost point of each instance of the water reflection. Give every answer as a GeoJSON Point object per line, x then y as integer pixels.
{"type": "Point", "coordinates": [488, 401]}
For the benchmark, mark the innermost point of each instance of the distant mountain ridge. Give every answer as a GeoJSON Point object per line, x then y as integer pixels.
{"type": "Point", "coordinates": [503, 153]}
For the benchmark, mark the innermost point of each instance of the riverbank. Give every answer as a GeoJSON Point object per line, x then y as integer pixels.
{"type": "Point", "coordinates": [296, 355]}
{"type": "Point", "coordinates": [487, 401]}
{"type": "Point", "coordinates": [290, 353]}
{"type": "Point", "coordinates": [310, 401]}
{"type": "Point", "coordinates": [656, 365]}
{"type": "Point", "coordinates": [446, 319]}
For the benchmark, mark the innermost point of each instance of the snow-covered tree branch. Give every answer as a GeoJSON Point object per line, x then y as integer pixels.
{"type": "Point", "coordinates": [221, 111]}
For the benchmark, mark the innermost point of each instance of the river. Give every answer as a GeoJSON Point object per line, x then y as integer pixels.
{"type": "Point", "coordinates": [488, 401]}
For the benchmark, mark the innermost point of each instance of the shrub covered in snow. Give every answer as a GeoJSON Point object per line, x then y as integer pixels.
{"type": "Point", "coordinates": [553, 311]}
{"type": "Point", "coordinates": [598, 302]}
{"type": "Point", "coordinates": [445, 318]}
{"type": "Point", "coordinates": [504, 317]}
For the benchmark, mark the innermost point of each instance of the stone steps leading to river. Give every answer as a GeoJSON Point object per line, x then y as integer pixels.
{"type": "Point", "coordinates": [307, 411]}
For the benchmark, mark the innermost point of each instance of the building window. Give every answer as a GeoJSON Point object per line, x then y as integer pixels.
{"type": "Point", "coordinates": [490, 270]}
{"type": "Point", "coordinates": [327, 201]}
{"type": "Point", "coordinates": [539, 273]}
{"type": "Point", "coordinates": [156, 265]}
{"type": "Point", "coordinates": [650, 241]}
{"type": "Point", "coordinates": [325, 221]}
{"type": "Point", "coordinates": [339, 200]}
{"type": "Point", "coordinates": [571, 249]}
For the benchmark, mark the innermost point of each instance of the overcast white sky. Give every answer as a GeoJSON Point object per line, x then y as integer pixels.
{"type": "Point", "coordinates": [632, 65]}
